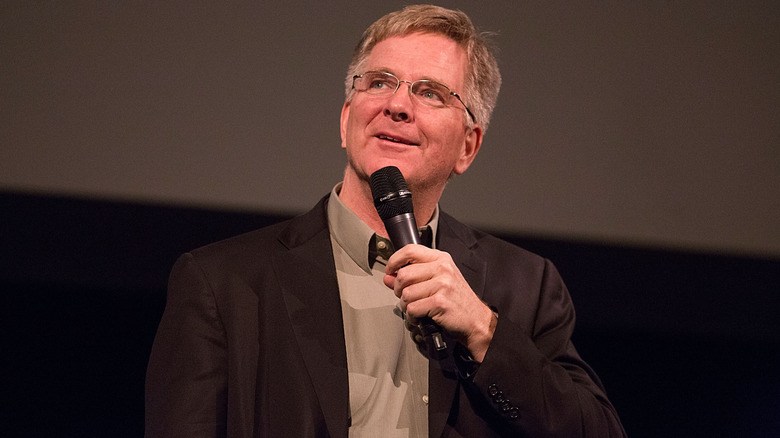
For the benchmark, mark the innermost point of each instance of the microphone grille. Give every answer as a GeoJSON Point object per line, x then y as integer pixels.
{"type": "Point", "coordinates": [390, 192]}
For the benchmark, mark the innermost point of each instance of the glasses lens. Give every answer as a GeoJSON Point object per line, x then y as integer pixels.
{"type": "Point", "coordinates": [377, 83]}
{"type": "Point", "coordinates": [431, 93]}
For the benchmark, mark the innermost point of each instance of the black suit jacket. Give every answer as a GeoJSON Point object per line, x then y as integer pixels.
{"type": "Point", "coordinates": [251, 344]}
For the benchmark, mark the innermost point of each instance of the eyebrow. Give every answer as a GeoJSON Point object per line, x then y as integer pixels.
{"type": "Point", "coordinates": [426, 78]}
{"type": "Point", "coordinates": [383, 69]}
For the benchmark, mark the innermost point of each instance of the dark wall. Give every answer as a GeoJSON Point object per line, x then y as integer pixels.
{"type": "Point", "coordinates": [641, 121]}
{"type": "Point", "coordinates": [687, 344]}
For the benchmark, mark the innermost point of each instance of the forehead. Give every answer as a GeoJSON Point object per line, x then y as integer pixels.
{"type": "Point", "coordinates": [421, 56]}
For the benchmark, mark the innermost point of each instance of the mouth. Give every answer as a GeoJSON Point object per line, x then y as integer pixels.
{"type": "Point", "coordinates": [396, 140]}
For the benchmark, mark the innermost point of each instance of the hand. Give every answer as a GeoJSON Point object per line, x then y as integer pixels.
{"type": "Point", "coordinates": [428, 283]}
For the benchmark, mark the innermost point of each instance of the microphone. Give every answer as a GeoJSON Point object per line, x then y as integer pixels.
{"type": "Point", "coordinates": [393, 202]}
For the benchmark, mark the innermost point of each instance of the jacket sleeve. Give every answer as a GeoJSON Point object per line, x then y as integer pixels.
{"type": "Point", "coordinates": [532, 380]}
{"type": "Point", "coordinates": [186, 380]}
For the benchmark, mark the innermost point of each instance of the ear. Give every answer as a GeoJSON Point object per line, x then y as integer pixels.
{"type": "Point", "coordinates": [343, 123]}
{"type": "Point", "coordinates": [471, 146]}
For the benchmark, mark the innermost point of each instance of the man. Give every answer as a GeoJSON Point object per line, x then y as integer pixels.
{"type": "Point", "coordinates": [299, 329]}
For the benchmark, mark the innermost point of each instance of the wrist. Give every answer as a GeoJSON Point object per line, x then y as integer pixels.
{"type": "Point", "coordinates": [479, 340]}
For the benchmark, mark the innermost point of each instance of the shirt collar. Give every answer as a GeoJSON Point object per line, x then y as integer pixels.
{"type": "Point", "coordinates": [354, 236]}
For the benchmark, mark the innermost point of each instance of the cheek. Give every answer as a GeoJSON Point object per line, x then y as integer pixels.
{"type": "Point", "coordinates": [364, 110]}
{"type": "Point", "coordinates": [351, 128]}
{"type": "Point", "coordinates": [451, 139]}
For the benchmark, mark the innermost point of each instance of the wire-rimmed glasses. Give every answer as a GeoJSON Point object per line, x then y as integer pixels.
{"type": "Point", "coordinates": [425, 91]}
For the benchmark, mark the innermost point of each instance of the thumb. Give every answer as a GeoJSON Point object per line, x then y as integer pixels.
{"type": "Point", "coordinates": [389, 280]}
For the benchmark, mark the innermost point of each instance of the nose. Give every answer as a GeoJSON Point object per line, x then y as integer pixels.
{"type": "Point", "coordinates": [399, 106]}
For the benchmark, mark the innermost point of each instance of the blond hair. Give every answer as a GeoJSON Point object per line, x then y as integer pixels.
{"type": "Point", "coordinates": [483, 78]}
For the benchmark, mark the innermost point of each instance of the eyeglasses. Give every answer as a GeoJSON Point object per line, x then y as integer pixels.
{"type": "Point", "coordinates": [427, 92]}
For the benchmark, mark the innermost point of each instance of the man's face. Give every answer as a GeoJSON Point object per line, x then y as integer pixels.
{"type": "Point", "coordinates": [427, 144]}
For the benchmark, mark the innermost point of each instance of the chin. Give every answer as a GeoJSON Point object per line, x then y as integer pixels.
{"type": "Point", "coordinates": [388, 162]}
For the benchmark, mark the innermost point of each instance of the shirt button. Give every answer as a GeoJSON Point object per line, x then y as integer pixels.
{"type": "Point", "coordinates": [425, 399]}
{"type": "Point", "coordinates": [381, 245]}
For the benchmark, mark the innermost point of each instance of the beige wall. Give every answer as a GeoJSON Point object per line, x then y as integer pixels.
{"type": "Point", "coordinates": [637, 122]}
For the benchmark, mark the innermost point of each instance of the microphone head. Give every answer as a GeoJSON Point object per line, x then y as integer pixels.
{"type": "Point", "coordinates": [390, 192]}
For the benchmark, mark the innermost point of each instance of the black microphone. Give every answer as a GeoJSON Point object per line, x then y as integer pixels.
{"type": "Point", "coordinates": [393, 202]}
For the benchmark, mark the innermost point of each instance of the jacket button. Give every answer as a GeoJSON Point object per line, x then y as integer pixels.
{"type": "Point", "coordinates": [514, 413]}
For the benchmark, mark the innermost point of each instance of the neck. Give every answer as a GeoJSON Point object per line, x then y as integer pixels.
{"type": "Point", "coordinates": [356, 195]}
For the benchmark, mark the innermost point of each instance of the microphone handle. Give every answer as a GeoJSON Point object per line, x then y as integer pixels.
{"type": "Point", "coordinates": [402, 230]}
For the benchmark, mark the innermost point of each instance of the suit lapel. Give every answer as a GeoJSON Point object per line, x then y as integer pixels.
{"type": "Point", "coordinates": [309, 285]}
{"type": "Point", "coordinates": [459, 242]}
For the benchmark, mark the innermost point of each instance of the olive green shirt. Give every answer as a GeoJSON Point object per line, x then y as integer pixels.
{"type": "Point", "coordinates": [388, 376]}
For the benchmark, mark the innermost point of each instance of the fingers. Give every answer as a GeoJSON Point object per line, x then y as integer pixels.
{"type": "Point", "coordinates": [410, 254]}
{"type": "Point", "coordinates": [416, 287]}
{"type": "Point", "coordinates": [417, 274]}
{"type": "Point", "coordinates": [415, 280]}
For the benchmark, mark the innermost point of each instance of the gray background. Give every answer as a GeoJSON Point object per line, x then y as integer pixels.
{"type": "Point", "coordinates": [644, 123]}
